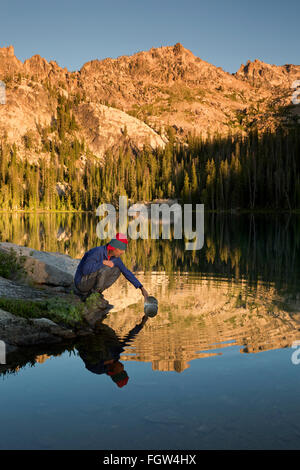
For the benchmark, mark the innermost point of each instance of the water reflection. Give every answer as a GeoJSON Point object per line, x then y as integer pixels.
{"type": "Point", "coordinates": [241, 290]}
{"type": "Point", "coordinates": [198, 318]}
{"type": "Point", "coordinates": [253, 247]}
{"type": "Point", "coordinates": [101, 353]}
{"type": "Point", "coordinates": [227, 316]}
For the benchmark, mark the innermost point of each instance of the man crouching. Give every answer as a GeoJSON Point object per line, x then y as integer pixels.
{"type": "Point", "coordinates": [100, 267]}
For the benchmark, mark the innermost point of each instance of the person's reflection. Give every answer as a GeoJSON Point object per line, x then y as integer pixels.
{"type": "Point", "coordinates": [101, 353]}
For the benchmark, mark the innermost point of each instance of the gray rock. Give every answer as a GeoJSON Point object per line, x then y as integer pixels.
{"type": "Point", "coordinates": [14, 290]}
{"type": "Point", "coordinates": [42, 267]}
{"type": "Point", "coordinates": [45, 322]}
{"type": "Point", "coordinates": [95, 316]}
{"type": "Point", "coordinates": [6, 317]}
{"type": "Point", "coordinates": [43, 273]}
{"type": "Point", "coordinates": [18, 331]}
{"type": "Point", "coordinates": [54, 274]}
{"type": "Point", "coordinates": [52, 327]}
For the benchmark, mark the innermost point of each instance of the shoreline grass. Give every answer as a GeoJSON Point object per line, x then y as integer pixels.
{"type": "Point", "coordinates": [56, 309]}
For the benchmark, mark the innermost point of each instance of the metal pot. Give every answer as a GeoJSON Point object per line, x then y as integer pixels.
{"type": "Point", "coordinates": [150, 306]}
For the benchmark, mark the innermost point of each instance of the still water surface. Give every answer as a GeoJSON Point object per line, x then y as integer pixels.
{"type": "Point", "coordinates": [213, 370]}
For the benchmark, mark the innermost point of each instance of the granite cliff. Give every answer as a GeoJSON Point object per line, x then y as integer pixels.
{"type": "Point", "coordinates": [135, 100]}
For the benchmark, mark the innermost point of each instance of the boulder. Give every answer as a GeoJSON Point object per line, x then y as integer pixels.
{"type": "Point", "coordinates": [14, 290]}
{"type": "Point", "coordinates": [95, 316]}
{"type": "Point", "coordinates": [54, 269]}
{"type": "Point", "coordinates": [19, 331]}
{"type": "Point", "coordinates": [53, 328]}
{"type": "Point", "coordinates": [41, 272]}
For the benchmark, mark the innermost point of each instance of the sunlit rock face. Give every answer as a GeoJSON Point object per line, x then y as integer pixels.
{"type": "Point", "coordinates": [132, 100]}
{"type": "Point", "coordinates": [104, 127]}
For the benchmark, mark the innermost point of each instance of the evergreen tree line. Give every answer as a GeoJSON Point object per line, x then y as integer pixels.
{"type": "Point", "coordinates": [249, 247]}
{"type": "Point", "coordinates": [256, 171]}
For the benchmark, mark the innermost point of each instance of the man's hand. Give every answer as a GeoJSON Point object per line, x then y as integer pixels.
{"type": "Point", "coordinates": [108, 263]}
{"type": "Point", "coordinates": [144, 292]}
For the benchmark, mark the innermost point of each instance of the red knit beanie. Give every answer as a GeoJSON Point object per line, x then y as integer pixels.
{"type": "Point", "coordinates": [120, 378]}
{"type": "Point", "coordinates": [120, 241]}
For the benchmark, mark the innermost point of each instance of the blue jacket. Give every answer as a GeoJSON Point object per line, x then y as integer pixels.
{"type": "Point", "coordinates": [93, 260]}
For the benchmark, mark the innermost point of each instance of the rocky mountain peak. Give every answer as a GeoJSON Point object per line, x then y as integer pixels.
{"type": "Point", "coordinates": [135, 99]}
{"type": "Point", "coordinates": [8, 61]}
{"type": "Point", "coordinates": [269, 76]}
{"type": "Point", "coordinates": [37, 65]}
{"type": "Point", "coordinates": [178, 48]}
{"type": "Point", "coordinates": [7, 51]}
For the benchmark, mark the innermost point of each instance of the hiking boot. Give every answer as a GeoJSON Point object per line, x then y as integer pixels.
{"type": "Point", "coordinates": [84, 296]}
{"type": "Point", "coordinates": [95, 301]}
{"type": "Point", "coordinates": [80, 294]}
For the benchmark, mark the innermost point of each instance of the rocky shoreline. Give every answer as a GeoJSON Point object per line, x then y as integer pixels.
{"type": "Point", "coordinates": [42, 277]}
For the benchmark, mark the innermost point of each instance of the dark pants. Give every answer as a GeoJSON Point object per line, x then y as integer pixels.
{"type": "Point", "coordinates": [99, 280]}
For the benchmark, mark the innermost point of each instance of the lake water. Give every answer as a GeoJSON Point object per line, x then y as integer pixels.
{"type": "Point", "coordinates": [215, 369]}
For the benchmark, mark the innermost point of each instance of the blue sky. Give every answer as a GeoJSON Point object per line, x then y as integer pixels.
{"type": "Point", "coordinates": [224, 32]}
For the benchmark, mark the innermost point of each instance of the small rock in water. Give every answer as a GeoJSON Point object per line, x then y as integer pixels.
{"type": "Point", "coordinates": [44, 321]}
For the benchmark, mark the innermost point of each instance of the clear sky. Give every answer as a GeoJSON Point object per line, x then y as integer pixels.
{"type": "Point", "coordinates": [225, 33]}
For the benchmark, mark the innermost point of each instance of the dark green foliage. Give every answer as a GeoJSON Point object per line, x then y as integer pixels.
{"type": "Point", "coordinates": [253, 171]}
{"type": "Point", "coordinates": [11, 266]}
{"type": "Point", "coordinates": [60, 310]}
{"type": "Point", "coordinates": [65, 120]}
{"type": "Point", "coordinates": [55, 309]}
{"type": "Point", "coordinates": [23, 308]}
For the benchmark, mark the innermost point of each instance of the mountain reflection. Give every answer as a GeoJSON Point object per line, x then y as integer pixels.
{"type": "Point", "coordinates": [201, 317]}
{"type": "Point", "coordinates": [241, 290]}
{"type": "Point", "coordinates": [198, 318]}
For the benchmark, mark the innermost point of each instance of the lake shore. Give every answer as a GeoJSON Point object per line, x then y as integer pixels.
{"type": "Point", "coordinates": [37, 303]}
